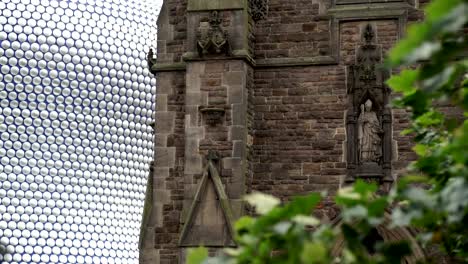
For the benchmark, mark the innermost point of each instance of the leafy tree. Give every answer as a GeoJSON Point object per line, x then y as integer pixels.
{"type": "Point", "coordinates": [434, 196]}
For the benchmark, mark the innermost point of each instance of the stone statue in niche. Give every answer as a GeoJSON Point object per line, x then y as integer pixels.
{"type": "Point", "coordinates": [369, 135]}
{"type": "Point", "coordinates": [368, 117]}
{"type": "Point", "coordinates": [211, 38]}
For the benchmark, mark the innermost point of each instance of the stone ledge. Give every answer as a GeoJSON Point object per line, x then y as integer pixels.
{"type": "Point", "coordinates": [163, 67]}
{"type": "Point", "coordinates": [262, 63]}
{"type": "Point", "coordinates": [291, 62]}
{"type": "Point", "coordinates": [241, 54]}
{"type": "Point", "coordinates": [203, 5]}
{"type": "Point", "coordinates": [369, 10]}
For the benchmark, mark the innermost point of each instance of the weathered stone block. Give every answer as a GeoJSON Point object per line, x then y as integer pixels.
{"type": "Point", "coordinates": [161, 102]}
{"type": "Point", "coordinates": [165, 122]}
{"type": "Point", "coordinates": [238, 114]}
{"type": "Point", "coordinates": [238, 150]}
{"type": "Point", "coordinates": [237, 133]}
{"type": "Point", "coordinates": [165, 157]}
{"type": "Point", "coordinates": [194, 99]}
{"type": "Point", "coordinates": [233, 78]}
{"type": "Point", "coordinates": [161, 172]}
{"type": "Point", "coordinates": [164, 83]}
{"type": "Point", "coordinates": [235, 94]}
{"type": "Point", "coordinates": [160, 140]}
{"type": "Point", "coordinates": [229, 163]}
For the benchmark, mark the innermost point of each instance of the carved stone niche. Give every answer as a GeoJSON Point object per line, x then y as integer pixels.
{"type": "Point", "coordinates": [211, 37]}
{"type": "Point", "coordinates": [369, 117]}
{"type": "Point", "coordinates": [212, 115]}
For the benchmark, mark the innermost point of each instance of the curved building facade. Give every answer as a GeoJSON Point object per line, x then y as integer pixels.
{"type": "Point", "coordinates": [76, 103]}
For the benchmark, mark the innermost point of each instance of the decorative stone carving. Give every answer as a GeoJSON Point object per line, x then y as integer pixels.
{"type": "Point", "coordinates": [150, 58]}
{"type": "Point", "coordinates": [368, 119]}
{"type": "Point", "coordinates": [212, 115]}
{"type": "Point", "coordinates": [258, 9]}
{"type": "Point", "coordinates": [211, 38]}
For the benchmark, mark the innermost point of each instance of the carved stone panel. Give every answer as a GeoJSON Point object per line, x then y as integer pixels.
{"type": "Point", "coordinates": [258, 9]}
{"type": "Point", "coordinates": [368, 120]}
{"type": "Point", "coordinates": [211, 37]}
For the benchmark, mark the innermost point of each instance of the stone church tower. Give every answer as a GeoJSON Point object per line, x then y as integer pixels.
{"type": "Point", "coordinates": [280, 96]}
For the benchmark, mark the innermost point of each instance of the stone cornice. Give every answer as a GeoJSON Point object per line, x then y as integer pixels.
{"type": "Point", "coordinates": [243, 55]}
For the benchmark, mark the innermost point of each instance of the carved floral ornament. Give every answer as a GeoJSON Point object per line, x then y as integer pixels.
{"type": "Point", "coordinates": [258, 9]}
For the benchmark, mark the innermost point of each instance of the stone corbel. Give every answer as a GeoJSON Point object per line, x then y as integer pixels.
{"type": "Point", "coordinates": [212, 115]}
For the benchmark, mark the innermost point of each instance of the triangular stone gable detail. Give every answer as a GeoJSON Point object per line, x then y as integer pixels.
{"type": "Point", "coordinates": [209, 221]}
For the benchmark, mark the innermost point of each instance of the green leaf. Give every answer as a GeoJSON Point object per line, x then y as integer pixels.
{"type": "Point", "coordinates": [404, 82]}
{"type": "Point", "coordinates": [377, 207]}
{"type": "Point", "coordinates": [244, 223]}
{"type": "Point", "coordinates": [430, 118]}
{"type": "Point", "coordinates": [298, 206]}
{"type": "Point", "coordinates": [418, 195]}
{"type": "Point", "coordinates": [455, 199]}
{"type": "Point", "coordinates": [439, 8]}
{"type": "Point", "coordinates": [421, 149]}
{"type": "Point", "coordinates": [348, 193]}
{"type": "Point", "coordinates": [314, 252]}
{"type": "Point", "coordinates": [439, 80]}
{"type": "Point", "coordinates": [416, 35]}
{"type": "Point", "coordinates": [234, 252]}
{"type": "Point", "coordinates": [356, 212]}
{"type": "Point", "coordinates": [197, 255]}
{"type": "Point", "coordinates": [423, 51]}
{"type": "Point", "coordinates": [306, 220]}
{"type": "Point", "coordinates": [282, 227]}
{"type": "Point", "coordinates": [396, 251]}
{"type": "Point", "coordinates": [263, 203]}
{"type": "Point", "coordinates": [402, 218]}
{"type": "Point", "coordinates": [365, 188]}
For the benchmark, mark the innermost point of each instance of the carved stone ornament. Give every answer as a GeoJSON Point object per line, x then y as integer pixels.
{"type": "Point", "coordinates": [211, 38]}
{"type": "Point", "coordinates": [369, 117]}
{"type": "Point", "coordinates": [150, 58]}
{"type": "Point", "coordinates": [258, 9]}
{"type": "Point", "coordinates": [212, 115]}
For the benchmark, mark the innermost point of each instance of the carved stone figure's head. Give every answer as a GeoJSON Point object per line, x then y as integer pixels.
{"type": "Point", "coordinates": [368, 105]}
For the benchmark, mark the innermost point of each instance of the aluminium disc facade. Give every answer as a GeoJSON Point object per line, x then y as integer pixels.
{"type": "Point", "coordinates": [76, 101]}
